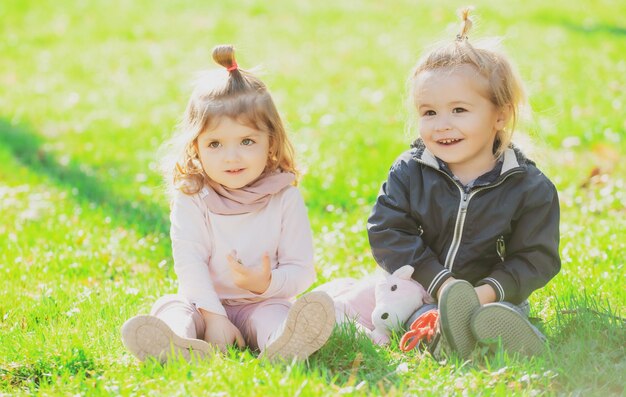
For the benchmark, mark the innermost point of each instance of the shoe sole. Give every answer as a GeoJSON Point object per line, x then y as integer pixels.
{"type": "Point", "coordinates": [457, 304]}
{"type": "Point", "coordinates": [496, 321]}
{"type": "Point", "coordinates": [148, 336]}
{"type": "Point", "coordinates": [308, 326]}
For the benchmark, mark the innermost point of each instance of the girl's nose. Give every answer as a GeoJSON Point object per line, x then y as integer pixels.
{"type": "Point", "coordinates": [231, 153]}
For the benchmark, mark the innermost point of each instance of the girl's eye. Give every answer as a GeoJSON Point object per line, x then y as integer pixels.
{"type": "Point", "coordinates": [214, 145]}
{"type": "Point", "coordinates": [247, 142]}
{"type": "Point", "coordinates": [429, 113]}
{"type": "Point", "coordinates": [458, 110]}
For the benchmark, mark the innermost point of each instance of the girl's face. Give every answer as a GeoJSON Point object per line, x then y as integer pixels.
{"type": "Point", "coordinates": [457, 122]}
{"type": "Point", "coordinates": [233, 154]}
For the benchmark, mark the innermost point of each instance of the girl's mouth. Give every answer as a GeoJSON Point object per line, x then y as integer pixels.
{"type": "Point", "coordinates": [235, 171]}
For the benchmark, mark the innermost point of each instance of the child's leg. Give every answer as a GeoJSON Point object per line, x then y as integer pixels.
{"type": "Point", "coordinates": [306, 329]}
{"type": "Point", "coordinates": [457, 303]}
{"type": "Point", "coordinates": [256, 320]}
{"type": "Point", "coordinates": [180, 315]}
{"type": "Point", "coordinates": [282, 330]}
{"type": "Point", "coordinates": [508, 324]}
{"type": "Point", "coordinates": [172, 328]}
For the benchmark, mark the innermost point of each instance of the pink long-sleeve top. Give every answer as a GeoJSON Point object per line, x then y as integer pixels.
{"type": "Point", "coordinates": [201, 240]}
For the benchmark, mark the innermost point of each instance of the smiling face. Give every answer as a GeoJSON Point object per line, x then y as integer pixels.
{"type": "Point", "coordinates": [457, 121]}
{"type": "Point", "coordinates": [233, 154]}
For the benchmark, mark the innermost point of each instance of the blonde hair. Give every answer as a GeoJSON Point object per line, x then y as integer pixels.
{"type": "Point", "coordinates": [234, 93]}
{"type": "Point", "coordinates": [504, 85]}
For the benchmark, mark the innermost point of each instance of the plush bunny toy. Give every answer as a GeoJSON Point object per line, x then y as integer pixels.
{"type": "Point", "coordinates": [398, 296]}
{"type": "Point", "coordinates": [377, 303]}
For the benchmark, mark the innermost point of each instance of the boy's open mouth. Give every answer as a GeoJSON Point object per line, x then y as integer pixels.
{"type": "Point", "coordinates": [448, 141]}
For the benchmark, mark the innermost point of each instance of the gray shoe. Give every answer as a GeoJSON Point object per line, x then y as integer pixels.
{"type": "Point", "coordinates": [148, 336]}
{"type": "Point", "coordinates": [457, 304]}
{"type": "Point", "coordinates": [497, 322]}
{"type": "Point", "coordinates": [308, 326]}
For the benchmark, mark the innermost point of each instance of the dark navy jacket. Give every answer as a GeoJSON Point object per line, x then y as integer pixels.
{"type": "Point", "coordinates": [504, 233]}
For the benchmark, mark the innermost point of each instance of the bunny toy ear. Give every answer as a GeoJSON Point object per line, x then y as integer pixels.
{"type": "Point", "coordinates": [404, 272]}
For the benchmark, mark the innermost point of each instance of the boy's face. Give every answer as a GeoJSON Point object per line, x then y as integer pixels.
{"type": "Point", "coordinates": [233, 154]}
{"type": "Point", "coordinates": [457, 122]}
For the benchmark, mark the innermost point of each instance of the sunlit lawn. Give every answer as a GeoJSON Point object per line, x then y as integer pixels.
{"type": "Point", "coordinates": [88, 91]}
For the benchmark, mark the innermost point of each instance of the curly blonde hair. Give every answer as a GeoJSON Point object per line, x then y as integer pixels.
{"type": "Point", "coordinates": [504, 84]}
{"type": "Point", "coordinates": [234, 93]}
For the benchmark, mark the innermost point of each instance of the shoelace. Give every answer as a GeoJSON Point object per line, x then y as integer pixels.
{"type": "Point", "coordinates": [424, 326]}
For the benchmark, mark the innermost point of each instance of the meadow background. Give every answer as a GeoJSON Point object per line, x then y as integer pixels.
{"type": "Point", "coordinates": [89, 90]}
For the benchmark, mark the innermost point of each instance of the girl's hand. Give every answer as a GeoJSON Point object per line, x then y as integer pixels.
{"type": "Point", "coordinates": [219, 331]}
{"type": "Point", "coordinates": [254, 278]}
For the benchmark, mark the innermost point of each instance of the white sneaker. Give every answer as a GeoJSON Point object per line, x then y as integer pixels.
{"type": "Point", "coordinates": [148, 336]}
{"type": "Point", "coordinates": [308, 326]}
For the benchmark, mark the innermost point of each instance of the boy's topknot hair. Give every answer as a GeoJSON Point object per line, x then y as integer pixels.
{"type": "Point", "coordinates": [466, 23]}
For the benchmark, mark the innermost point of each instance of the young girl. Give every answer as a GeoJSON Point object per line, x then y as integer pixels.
{"type": "Point", "coordinates": [473, 215]}
{"type": "Point", "coordinates": [241, 238]}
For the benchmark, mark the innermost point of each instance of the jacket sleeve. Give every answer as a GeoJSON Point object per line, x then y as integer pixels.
{"type": "Point", "coordinates": [532, 253]}
{"type": "Point", "coordinates": [394, 234]}
{"type": "Point", "coordinates": [191, 248]}
{"type": "Point", "coordinates": [295, 272]}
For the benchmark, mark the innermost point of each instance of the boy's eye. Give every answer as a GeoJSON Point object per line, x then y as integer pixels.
{"type": "Point", "coordinates": [214, 145]}
{"type": "Point", "coordinates": [247, 142]}
{"type": "Point", "coordinates": [458, 110]}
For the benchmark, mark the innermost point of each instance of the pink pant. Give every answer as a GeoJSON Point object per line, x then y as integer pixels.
{"type": "Point", "coordinates": [255, 321]}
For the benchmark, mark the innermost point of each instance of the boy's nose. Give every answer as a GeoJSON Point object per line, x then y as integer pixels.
{"type": "Point", "coordinates": [442, 125]}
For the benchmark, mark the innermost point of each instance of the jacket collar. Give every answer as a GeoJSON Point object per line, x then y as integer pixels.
{"type": "Point", "coordinates": [510, 160]}
{"type": "Point", "coordinates": [513, 157]}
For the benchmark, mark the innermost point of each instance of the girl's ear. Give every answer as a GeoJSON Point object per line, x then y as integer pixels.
{"type": "Point", "coordinates": [504, 115]}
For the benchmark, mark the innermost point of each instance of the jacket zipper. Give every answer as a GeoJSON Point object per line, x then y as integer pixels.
{"type": "Point", "coordinates": [501, 248]}
{"type": "Point", "coordinates": [458, 228]}
{"type": "Point", "coordinates": [462, 214]}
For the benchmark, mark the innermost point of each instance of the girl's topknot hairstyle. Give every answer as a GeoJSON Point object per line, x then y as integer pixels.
{"type": "Point", "coordinates": [505, 88]}
{"type": "Point", "coordinates": [225, 55]}
{"type": "Point", "coordinates": [233, 93]}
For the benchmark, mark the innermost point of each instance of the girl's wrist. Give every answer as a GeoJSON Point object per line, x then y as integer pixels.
{"type": "Point", "coordinates": [208, 315]}
{"type": "Point", "coordinates": [260, 290]}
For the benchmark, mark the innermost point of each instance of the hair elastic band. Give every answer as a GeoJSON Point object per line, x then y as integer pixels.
{"type": "Point", "coordinates": [234, 66]}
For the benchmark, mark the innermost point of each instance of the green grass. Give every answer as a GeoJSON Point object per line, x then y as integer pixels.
{"type": "Point", "coordinates": [90, 90]}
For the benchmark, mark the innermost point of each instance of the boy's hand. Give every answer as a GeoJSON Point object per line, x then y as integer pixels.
{"type": "Point", "coordinates": [219, 331]}
{"type": "Point", "coordinates": [254, 278]}
{"type": "Point", "coordinates": [486, 293]}
{"type": "Point", "coordinates": [445, 283]}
